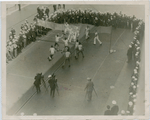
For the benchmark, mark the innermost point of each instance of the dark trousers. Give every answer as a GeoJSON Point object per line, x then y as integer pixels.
{"type": "Point", "coordinates": [19, 7]}
{"type": "Point", "coordinates": [38, 88]}
{"type": "Point", "coordinates": [129, 58]}
{"type": "Point", "coordinates": [52, 93]}
{"type": "Point", "coordinates": [80, 51]}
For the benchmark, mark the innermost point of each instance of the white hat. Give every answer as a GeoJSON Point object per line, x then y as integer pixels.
{"type": "Point", "coordinates": [130, 103]}
{"type": "Point", "coordinates": [133, 77]}
{"type": "Point", "coordinates": [49, 76]}
{"type": "Point", "coordinates": [134, 86]}
{"type": "Point", "coordinates": [88, 78]}
{"type": "Point", "coordinates": [130, 46]}
{"type": "Point", "coordinates": [114, 102]}
{"type": "Point", "coordinates": [132, 83]}
{"type": "Point", "coordinates": [131, 93]}
{"type": "Point", "coordinates": [134, 95]}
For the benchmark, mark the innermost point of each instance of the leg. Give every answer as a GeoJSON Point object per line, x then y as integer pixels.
{"type": "Point", "coordinates": [54, 93]}
{"type": "Point", "coordinates": [64, 62]}
{"type": "Point", "coordinates": [78, 53]}
{"type": "Point", "coordinates": [37, 89]}
{"type": "Point", "coordinates": [69, 61]}
{"type": "Point", "coordinates": [51, 92]}
{"type": "Point", "coordinates": [94, 41]}
{"type": "Point", "coordinates": [75, 53]}
{"type": "Point", "coordinates": [99, 41]}
{"type": "Point", "coordinates": [90, 95]}
{"type": "Point", "coordinates": [82, 54]}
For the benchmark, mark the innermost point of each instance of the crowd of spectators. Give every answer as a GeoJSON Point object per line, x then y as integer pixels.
{"type": "Point", "coordinates": [28, 33]}
{"type": "Point", "coordinates": [97, 18]}
{"type": "Point", "coordinates": [134, 53]}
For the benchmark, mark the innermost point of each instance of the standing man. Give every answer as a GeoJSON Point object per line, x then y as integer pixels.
{"type": "Point", "coordinates": [52, 84]}
{"type": "Point", "coordinates": [37, 82]}
{"type": "Point", "coordinates": [97, 39]}
{"type": "Point", "coordinates": [52, 51]}
{"type": "Point", "coordinates": [87, 33]}
{"type": "Point", "coordinates": [64, 6]}
{"type": "Point", "coordinates": [54, 6]}
{"type": "Point", "coordinates": [56, 45]}
{"type": "Point", "coordinates": [59, 6]}
{"type": "Point", "coordinates": [89, 88]}
{"type": "Point", "coordinates": [19, 5]}
{"type": "Point", "coordinates": [65, 43]}
{"type": "Point", "coordinates": [67, 58]}
{"type": "Point", "coordinates": [107, 112]}
{"type": "Point", "coordinates": [80, 50]}
{"type": "Point", "coordinates": [115, 108]}
{"type": "Point", "coordinates": [129, 54]}
{"type": "Point", "coordinates": [76, 48]}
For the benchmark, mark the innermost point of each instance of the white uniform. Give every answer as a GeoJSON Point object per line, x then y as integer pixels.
{"type": "Point", "coordinates": [87, 32]}
{"type": "Point", "coordinates": [76, 45]}
{"type": "Point", "coordinates": [66, 28]}
{"type": "Point", "coordinates": [80, 47]}
{"type": "Point", "coordinates": [52, 51]}
{"type": "Point", "coordinates": [74, 36]}
{"type": "Point", "coordinates": [67, 54]}
{"type": "Point", "coordinates": [57, 39]}
{"type": "Point", "coordinates": [97, 39]}
{"type": "Point", "coordinates": [77, 32]}
{"type": "Point", "coordinates": [65, 42]}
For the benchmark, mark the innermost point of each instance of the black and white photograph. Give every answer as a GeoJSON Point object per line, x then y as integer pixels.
{"type": "Point", "coordinates": [75, 60]}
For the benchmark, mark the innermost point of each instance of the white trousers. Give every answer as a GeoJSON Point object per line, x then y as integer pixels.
{"type": "Point", "coordinates": [96, 39]}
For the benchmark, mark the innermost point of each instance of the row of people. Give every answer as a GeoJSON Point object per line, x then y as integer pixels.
{"type": "Point", "coordinates": [134, 53]}
{"type": "Point", "coordinates": [28, 33]}
{"type": "Point", "coordinates": [95, 18]}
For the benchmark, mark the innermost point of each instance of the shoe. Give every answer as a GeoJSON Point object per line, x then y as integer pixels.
{"type": "Point", "coordinates": [83, 56]}
{"type": "Point", "coordinates": [69, 65]}
{"type": "Point", "coordinates": [63, 66]}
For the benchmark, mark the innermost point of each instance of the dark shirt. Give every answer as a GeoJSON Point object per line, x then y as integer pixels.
{"type": "Point", "coordinates": [114, 110]}
{"type": "Point", "coordinates": [107, 112]}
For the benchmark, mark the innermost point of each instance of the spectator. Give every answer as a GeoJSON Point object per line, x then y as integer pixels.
{"type": "Point", "coordinates": [89, 88]}
{"type": "Point", "coordinates": [107, 112]}
{"type": "Point", "coordinates": [114, 108]}
{"type": "Point", "coordinates": [54, 6]}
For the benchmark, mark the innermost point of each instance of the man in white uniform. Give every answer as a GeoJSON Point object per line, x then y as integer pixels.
{"type": "Point", "coordinates": [76, 48]}
{"type": "Point", "coordinates": [96, 38]}
{"type": "Point", "coordinates": [66, 28]}
{"type": "Point", "coordinates": [67, 58]}
{"type": "Point", "coordinates": [52, 51]}
{"type": "Point", "coordinates": [87, 30]}
{"type": "Point", "coordinates": [80, 50]}
{"type": "Point", "coordinates": [56, 45]}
